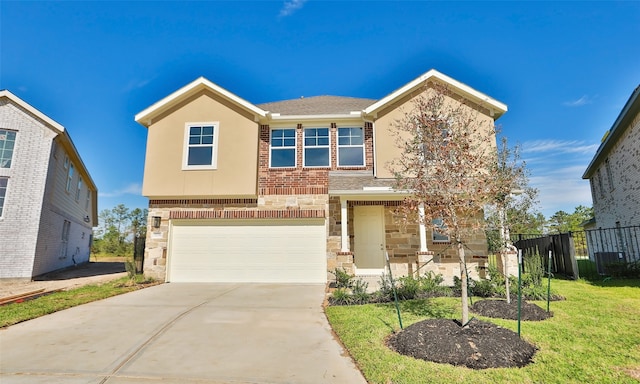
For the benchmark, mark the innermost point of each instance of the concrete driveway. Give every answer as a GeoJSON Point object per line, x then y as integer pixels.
{"type": "Point", "coordinates": [182, 333]}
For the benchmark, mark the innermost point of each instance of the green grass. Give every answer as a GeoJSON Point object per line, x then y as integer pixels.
{"type": "Point", "coordinates": [18, 312]}
{"type": "Point", "coordinates": [593, 337]}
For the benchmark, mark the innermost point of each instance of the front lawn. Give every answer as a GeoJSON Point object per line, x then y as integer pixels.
{"type": "Point", "coordinates": [18, 312]}
{"type": "Point", "coordinates": [593, 337]}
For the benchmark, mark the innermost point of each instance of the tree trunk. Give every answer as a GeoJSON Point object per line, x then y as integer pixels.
{"type": "Point", "coordinates": [464, 284]}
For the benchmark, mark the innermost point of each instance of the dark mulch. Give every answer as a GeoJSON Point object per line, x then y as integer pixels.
{"type": "Point", "coordinates": [502, 310]}
{"type": "Point", "coordinates": [480, 345]}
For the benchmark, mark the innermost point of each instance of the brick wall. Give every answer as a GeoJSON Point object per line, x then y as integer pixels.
{"type": "Point", "coordinates": [300, 180]}
{"type": "Point", "coordinates": [619, 201]}
{"type": "Point", "coordinates": [23, 204]}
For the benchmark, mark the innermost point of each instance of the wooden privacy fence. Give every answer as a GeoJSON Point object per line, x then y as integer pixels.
{"type": "Point", "coordinates": [562, 247]}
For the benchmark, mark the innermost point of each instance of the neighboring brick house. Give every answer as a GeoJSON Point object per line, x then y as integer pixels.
{"type": "Point", "coordinates": [614, 171]}
{"type": "Point", "coordinates": [285, 191]}
{"type": "Point", "coordinates": [47, 197]}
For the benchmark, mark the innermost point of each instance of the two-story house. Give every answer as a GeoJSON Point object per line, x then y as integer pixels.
{"type": "Point", "coordinates": [48, 201]}
{"type": "Point", "coordinates": [286, 191]}
{"type": "Point", "coordinates": [614, 171]}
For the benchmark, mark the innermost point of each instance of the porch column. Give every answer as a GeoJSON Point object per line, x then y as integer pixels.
{"type": "Point", "coordinates": [344, 226]}
{"type": "Point", "coordinates": [423, 229]}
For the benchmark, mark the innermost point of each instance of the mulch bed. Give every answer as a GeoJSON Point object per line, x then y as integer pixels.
{"type": "Point", "coordinates": [480, 345]}
{"type": "Point", "coordinates": [502, 310]}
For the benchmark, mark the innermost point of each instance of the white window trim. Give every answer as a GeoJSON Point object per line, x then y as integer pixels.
{"type": "Point", "coordinates": [79, 189]}
{"type": "Point", "coordinates": [304, 146]}
{"type": "Point", "coordinates": [185, 147]}
{"type": "Point", "coordinates": [15, 145]}
{"type": "Point", "coordinates": [295, 147]}
{"type": "Point", "coordinates": [70, 172]}
{"type": "Point", "coordinates": [6, 197]}
{"type": "Point", "coordinates": [338, 146]}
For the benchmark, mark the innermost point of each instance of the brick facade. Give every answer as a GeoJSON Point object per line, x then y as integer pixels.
{"type": "Point", "coordinates": [615, 185]}
{"type": "Point", "coordinates": [35, 207]}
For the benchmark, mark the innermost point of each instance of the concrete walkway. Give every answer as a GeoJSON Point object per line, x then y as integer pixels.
{"type": "Point", "coordinates": [182, 333]}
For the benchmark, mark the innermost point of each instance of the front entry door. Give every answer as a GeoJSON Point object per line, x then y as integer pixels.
{"type": "Point", "coordinates": [368, 234]}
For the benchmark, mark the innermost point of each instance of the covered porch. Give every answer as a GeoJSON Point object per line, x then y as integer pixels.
{"type": "Point", "coordinates": [365, 225]}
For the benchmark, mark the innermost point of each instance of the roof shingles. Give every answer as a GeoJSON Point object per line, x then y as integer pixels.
{"type": "Point", "coordinates": [317, 105]}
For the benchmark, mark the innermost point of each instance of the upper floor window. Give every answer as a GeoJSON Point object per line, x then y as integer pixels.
{"type": "Point", "coordinates": [283, 148]}
{"type": "Point", "coordinates": [201, 148]}
{"type": "Point", "coordinates": [316, 147]}
{"type": "Point", "coordinates": [439, 236]}
{"type": "Point", "coordinates": [609, 174]}
{"type": "Point", "coordinates": [350, 147]}
{"type": "Point", "coordinates": [86, 202]}
{"type": "Point", "coordinates": [7, 143]}
{"type": "Point", "coordinates": [4, 181]}
{"type": "Point", "coordinates": [69, 177]}
{"type": "Point", "coordinates": [79, 189]}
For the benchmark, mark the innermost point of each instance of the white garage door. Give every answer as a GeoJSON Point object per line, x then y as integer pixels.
{"type": "Point", "coordinates": [284, 251]}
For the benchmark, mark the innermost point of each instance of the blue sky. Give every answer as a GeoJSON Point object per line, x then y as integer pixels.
{"type": "Point", "coordinates": [565, 69]}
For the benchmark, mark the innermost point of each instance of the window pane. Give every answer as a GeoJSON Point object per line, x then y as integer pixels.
{"type": "Point", "coordinates": [316, 157]}
{"type": "Point", "coordinates": [351, 156]}
{"type": "Point", "coordinates": [290, 142]}
{"type": "Point", "coordinates": [207, 139]}
{"type": "Point", "coordinates": [194, 140]}
{"type": "Point", "coordinates": [283, 158]}
{"type": "Point", "coordinates": [310, 141]}
{"type": "Point", "coordinates": [344, 141]}
{"type": "Point", "coordinates": [289, 132]}
{"type": "Point", "coordinates": [200, 156]}
{"type": "Point", "coordinates": [207, 130]}
{"type": "Point", "coordinates": [195, 131]}
{"type": "Point", "coordinates": [323, 141]}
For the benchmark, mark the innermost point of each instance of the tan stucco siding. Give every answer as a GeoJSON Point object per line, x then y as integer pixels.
{"type": "Point", "coordinates": [385, 128]}
{"type": "Point", "coordinates": [237, 145]}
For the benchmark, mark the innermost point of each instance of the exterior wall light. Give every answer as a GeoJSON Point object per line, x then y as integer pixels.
{"type": "Point", "coordinates": [156, 221]}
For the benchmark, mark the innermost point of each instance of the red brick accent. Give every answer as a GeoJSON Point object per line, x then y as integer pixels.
{"type": "Point", "coordinates": [340, 253]}
{"type": "Point", "coordinates": [203, 203]}
{"type": "Point", "coordinates": [274, 214]}
{"type": "Point", "coordinates": [283, 180]}
{"type": "Point", "coordinates": [393, 203]}
{"type": "Point", "coordinates": [293, 191]}
{"type": "Point", "coordinates": [272, 179]}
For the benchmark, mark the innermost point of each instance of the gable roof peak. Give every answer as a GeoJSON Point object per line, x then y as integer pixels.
{"type": "Point", "coordinates": [496, 108]}
{"type": "Point", "coordinates": [146, 116]}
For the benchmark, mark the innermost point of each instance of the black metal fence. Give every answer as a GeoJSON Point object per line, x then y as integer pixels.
{"type": "Point", "coordinates": [585, 254]}
{"type": "Point", "coordinates": [138, 253]}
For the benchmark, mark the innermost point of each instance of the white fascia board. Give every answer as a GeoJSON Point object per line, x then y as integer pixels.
{"type": "Point", "coordinates": [54, 124]}
{"type": "Point", "coordinates": [444, 78]}
{"type": "Point", "coordinates": [190, 88]}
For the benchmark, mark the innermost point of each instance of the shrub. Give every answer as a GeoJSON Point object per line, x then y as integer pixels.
{"type": "Point", "coordinates": [624, 270]}
{"type": "Point", "coordinates": [483, 288]}
{"type": "Point", "coordinates": [340, 297]}
{"type": "Point", "coordinates": [359, 293]}
{"type": "Point", "coordinates": [343, 279]}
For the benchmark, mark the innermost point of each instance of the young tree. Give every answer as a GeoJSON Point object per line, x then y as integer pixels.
{"type": "Point", "coordinates": [447, 165]}
{"type": "Point", "coordinates": [514, 200]}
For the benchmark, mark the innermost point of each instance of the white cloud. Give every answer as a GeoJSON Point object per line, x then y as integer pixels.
{"type": "Point", "coordinates": [136, 83]}
{"type": "Point", "coordinates": [579, 102]}
{"type": "Point", "coordinates": [131, 189]}
{"type": "Point", "coordinates": [290, 7]}
{"type": "Point", "coordinates": [559, 147]}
